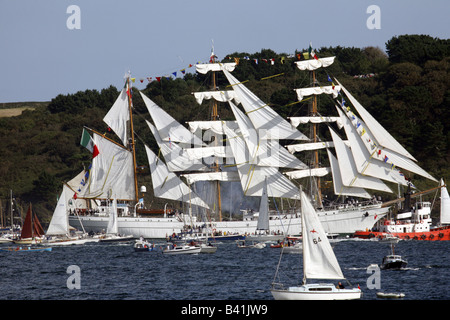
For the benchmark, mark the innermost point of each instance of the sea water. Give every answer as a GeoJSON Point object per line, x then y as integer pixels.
{"type": "Point", "coordinates": [101, 271]}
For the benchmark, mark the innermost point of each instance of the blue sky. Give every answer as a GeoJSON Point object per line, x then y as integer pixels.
{"type": "Point", "coordinates": [41, 57]}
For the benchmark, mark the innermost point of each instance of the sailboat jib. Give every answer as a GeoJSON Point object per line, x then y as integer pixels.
{"type": "Point", "coordinates": [313, 64]}
{"type": "Point", "coordinates": [177, 158]}
{"type": "Point", "coordinates": [204, 68]}
{"type": "Point", "coordinates": [383, 137]}
{"type": "Point", "coordinates": [111, 171]}
{"type": "Point", "coordinates": [339, 188]}
{"type": "Point", "coordinates": [262, 151]}
{"type": "Point", "coordinates": [349, 174]}
{"type": "Point", "coordinates": [319, 260]}
{"type": "Point", "coordinates": [118, 117]}
{"type": "Point", "coordinates": [365, 162]}
{"type": "Point", "coordinates": [268, 123]}
{"type": "Point", "coordinates": [168, 128]}
{"type": "Point", "coordinates": [445, 204]}
{"type": "Point", "coordinates": [381, 153]}
{"type": "Point", "coordinates": [167, 185]}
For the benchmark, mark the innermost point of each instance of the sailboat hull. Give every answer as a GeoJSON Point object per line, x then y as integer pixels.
{"type": "Point", "coordinates": [316, 292]}
{"type": "Point", "coordinates": [345, 220]}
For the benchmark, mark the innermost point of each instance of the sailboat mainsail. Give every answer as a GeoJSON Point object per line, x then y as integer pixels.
{"type": "Point", "coordinates": [319, 260]}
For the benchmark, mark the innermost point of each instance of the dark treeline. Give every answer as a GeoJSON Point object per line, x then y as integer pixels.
{"type": "Point", "coordinates": [406, 90]}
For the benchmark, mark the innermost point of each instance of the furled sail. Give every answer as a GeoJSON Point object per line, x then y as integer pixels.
{"type": "Point", "coordinates": [268, 123]}
{"type": "Point", "coordinates": [206, 67]}
{"type": "Point", "coordinates": [221, 96]}
{"type": "Point", "coordinates": [111, 172]}
{"type": "Point", "coordinates": [333, 90]}
{"type": "Point", "coordinates": [167, 185]}
{"type": "Point", "coordinates": [310, 172]}
{"type": "Point", "coordinates": [313, 64]}
{"type": "Point", "coordinates": [319, 260]}
{"type": "Point", "coordinates": [214, 125]}
{"type": "Point", "coordinates": [118, 117]}
{"type": "Point", "coordinates": [295, 121]}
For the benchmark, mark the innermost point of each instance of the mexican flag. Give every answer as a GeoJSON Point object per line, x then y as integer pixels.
{"type": "Point", "coordinates": [88, 143]}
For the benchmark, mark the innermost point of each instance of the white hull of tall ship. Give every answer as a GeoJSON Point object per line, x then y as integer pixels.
{"type": "Point", "coordinates": [316, 292]}
{"type": "Point", "coordinates": [340, 220]}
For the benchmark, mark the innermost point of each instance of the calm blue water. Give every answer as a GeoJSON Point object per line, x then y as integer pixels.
{"type": "Point", "coordinates": [116, 272]}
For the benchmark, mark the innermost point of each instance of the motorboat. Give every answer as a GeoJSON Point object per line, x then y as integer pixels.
{"type": "Point", "coordinates": [172, 249]}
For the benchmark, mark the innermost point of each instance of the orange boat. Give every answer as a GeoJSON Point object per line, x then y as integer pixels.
{"type": "Point", "coordinates": [416, 223]}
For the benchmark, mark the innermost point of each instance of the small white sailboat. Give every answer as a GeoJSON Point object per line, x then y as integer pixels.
{"type": "Point", "coordinates": [319, 262]}
{"type": "Point", "coordinates": [58, 232]}
{"type": "Point", "coordinates": [112, 231]}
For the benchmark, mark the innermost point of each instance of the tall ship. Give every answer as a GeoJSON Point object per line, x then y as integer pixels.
{"type": "Point", "coordinates": [246, 152]}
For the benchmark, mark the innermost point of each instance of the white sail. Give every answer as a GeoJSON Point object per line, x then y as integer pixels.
{"type": "Point", "coordinates": [295, 121]}
{"type": "Point", "coordinates": [349, 174]}
{"type": "Point", "coordinates": [263, 152]}
{"type": "Point", "coordinates": [338, 186]}
{"type": "Point", "coordinates": [206, 67]}
{"type": "Point", "coordinates": [333, 90]}
{"type": "Point", "coordinates": [112, 227]}
{"type": "Point", "coordinates": [214, 125]}
{"type": "Point", "coordinates": [383, 154]}
{"type": "Point", "coordinates": [263, 218]}
{"type": "Point", "coordinates": [268, 123]}
{"type": "Point", "coordinates": [365, 163]}
{"type": "Point", "coordinates": [177, 159]}
{"type": "Point", "coordinates": [445, 205]}
{"type": "Point", "coordinates": [167, 185]}
{"type": "Point", "coordinates": [118, 117]}
{"type": "Point", "coordinates": [313, 64]}
{"type": "Point", "coordinates": [319, 260]}
{"type": "Point", "coordinates": [309, 146]}
{"type": "Point", "coordinates": [168, 128]}
{"type": "Point", "coordinates": [59, 225]}
{"type": "Point", "coordinates": [310, 172]}
{"type": "Point", "coordinates": [383, 137]}
{"type": "Point", "coordinates": [112, 172]}
{"type": "Point", "coordinates": [252, 176]}
{"type": "Point", "coordinates": [221, 96]}
{"type": "Point", "coordinates": [211, 176]}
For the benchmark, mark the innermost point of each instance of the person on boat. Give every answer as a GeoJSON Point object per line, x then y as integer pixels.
{"type": "Point", "coordinates": [340, 285]}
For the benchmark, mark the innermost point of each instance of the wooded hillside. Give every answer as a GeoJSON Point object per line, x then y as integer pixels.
{"type": "Point", "coordinates": [407, 91]}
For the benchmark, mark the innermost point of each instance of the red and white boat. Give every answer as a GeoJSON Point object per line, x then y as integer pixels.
{"type": "Point", "coordinates": [415, 223]}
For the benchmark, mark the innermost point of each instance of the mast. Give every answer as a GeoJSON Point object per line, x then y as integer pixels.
{"type": "Point", "coordinates": [215, 116]}
{"type": "Point", "coordinates": [316, 151]}
{"type": "Point", "coordinates": [132, 142]}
